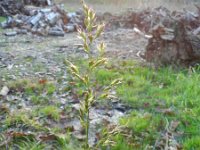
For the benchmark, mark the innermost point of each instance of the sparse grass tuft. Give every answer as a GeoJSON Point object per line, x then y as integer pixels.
{"type": "Point", "coordinates": [21, 118]}
{"type": "Point", "coordinates": [32, 87]}
{"type": "Point", "coordinates": [52, 112]}
{"type": "Point", "coordinates": [51, 88]}
{"type": "Point", "coordinates": [28, 86]}
{"type": "Point", "coordinates": [39, 100]}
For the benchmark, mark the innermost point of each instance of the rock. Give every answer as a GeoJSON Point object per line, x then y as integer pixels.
{"type": "Point", "coordinates": [49, 2]}
{"type": "Point", "coordinates": [69, 28]}
{"type": "Point", "coordinates": [196, 31]}
{"type": "Point", "coordinates": [56, 32]}
{"type": "Point", "coordinates": [52, 18]}
{"type": "Point", "coordinates": [71, 15]}
{"type": "Point", "coordinates": [21, 31]}
{"type": "Point", "coordinates": [46, 10]}
{"type": "Point", "coordinates": [34, 20]}
{"type": "Point", "coordinates": [13, 33]}
{"type": "Point", "coordinates": [4, 91]}
{"type": "Point", "coordinates": [3, 24]}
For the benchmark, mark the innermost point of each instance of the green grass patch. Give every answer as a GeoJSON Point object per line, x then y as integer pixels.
{"type": "Point", "coordinates": [51, 112]}
{"type": "Point", "coordinates": [39, 100]}
{"type": "Point", "coordinates": [21, 118]}
{"type": "Point", "coordinates": [148, 90]}
{"type": "Point", "coordinates": [192, 143]}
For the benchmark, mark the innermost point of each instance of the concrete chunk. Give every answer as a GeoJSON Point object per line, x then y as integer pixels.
{"type": "Point", "coordinates": [13, 33]}
{"type": "Point", "coordinates": [35, 19]}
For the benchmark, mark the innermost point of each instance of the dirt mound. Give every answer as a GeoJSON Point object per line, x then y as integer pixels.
{"type": "Point", "coordinates": [146, 19]}
{"type": "Point", "coordinates": [174, 35]}
{"type": "Point", "coordinates": [173, 46]}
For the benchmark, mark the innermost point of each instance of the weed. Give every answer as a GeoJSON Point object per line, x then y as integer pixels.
{"type": "Point", "coordinates": [93, 62]}
{"type": "Point", "coordinates": [51, 89]}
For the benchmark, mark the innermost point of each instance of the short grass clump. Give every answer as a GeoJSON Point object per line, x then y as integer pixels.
{"type": "Point", "coordinates": [27, 85]}
{"type": "Point", "coordinates": [51, 88]}
{"type": "Point", "coordinates": [20, 118]}
{"type": "Point", "coordinates": [39, 100]}
{"type": "Point", "coordinates": [51, 112]}
{"type": "Point", "coordinates": [39, 90]}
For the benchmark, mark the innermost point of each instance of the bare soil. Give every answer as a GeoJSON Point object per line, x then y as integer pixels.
{"type": "Point", "coordinates": [31, 51]}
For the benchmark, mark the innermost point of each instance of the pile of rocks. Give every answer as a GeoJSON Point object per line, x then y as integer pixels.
{"type": "Point", "coordinates": [13, 7]}
{"type": "Point", "coordinates": [174, 46]}
{"type": "Point", "coordinates": [50, 20]}
{"type": "Point", "coordinates": [174, 36]}
{"type": "Point", "coordinates": [175, 40]}
{"type": "Point", "coordinates": [146, 19]}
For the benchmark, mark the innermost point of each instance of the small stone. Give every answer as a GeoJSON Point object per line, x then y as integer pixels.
{"type": "Point", "coordinates": [13, 33]}
{"type": "Point", "coordinates": [19, 106]}
{"type": "Point", "coordinates": [4, 91]}
{"type": "Point", "coordinates": [79, 136]}
{"type": "Point", "coordinates": [56, 33]}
